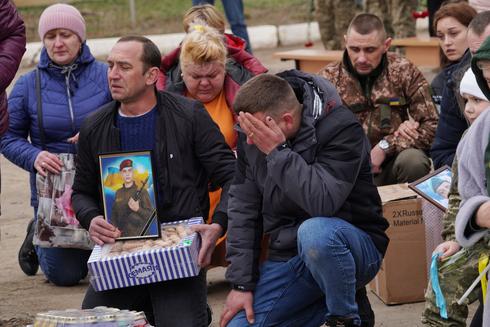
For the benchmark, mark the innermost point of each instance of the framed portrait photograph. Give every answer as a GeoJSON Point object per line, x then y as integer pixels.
{"type": "Point", "coordinates": [434, 187]}
{"type": "Point", "coordinates": [128, 193]}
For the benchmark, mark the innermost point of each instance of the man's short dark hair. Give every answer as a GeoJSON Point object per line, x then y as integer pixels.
{"type": "Point", "coordinates": [366, 23]}
{"type": "Point", "coordinates": [151, 56]}
{"type": "Point", "coordinates": [480, 22]}
{"type": "Point", "coordinates": [265, 93]}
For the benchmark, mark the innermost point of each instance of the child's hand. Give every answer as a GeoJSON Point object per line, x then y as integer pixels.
{"type": "Point", "coordinates": [447, 249]}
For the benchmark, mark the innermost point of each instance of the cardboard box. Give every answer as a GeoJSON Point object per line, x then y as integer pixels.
{"type": "Point", "coordinates": [146, 266]}
{"type": "Point", "coordinates": [403, 274]}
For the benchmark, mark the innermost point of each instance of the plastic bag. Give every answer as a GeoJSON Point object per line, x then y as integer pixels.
{"type": "Point", "coordinates": [56, 224]}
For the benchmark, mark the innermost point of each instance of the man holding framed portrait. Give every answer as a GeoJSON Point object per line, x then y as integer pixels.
{"type": "Point", "coordinates": [187, 152]}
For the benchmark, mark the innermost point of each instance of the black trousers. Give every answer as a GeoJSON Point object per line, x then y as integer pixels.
{"type": "Point", "coordinates": [432, 7]}
{"type": "Point", "coordinates": [174, 303]}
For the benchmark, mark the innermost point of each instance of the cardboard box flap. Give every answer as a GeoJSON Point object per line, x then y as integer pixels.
{"type": "Point", "coordinates": [395, 192]}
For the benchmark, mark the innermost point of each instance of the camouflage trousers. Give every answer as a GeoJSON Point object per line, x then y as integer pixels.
{"type": "Point", "coordinates": [456, 274]}
{"type": "Point", "coordinates": [333, 17]}
{"type": "Point", "coordinates": [395, 14]}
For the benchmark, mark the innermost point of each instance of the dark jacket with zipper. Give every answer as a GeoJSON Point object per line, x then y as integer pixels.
{"type": "Point", "coordinates": [324, 172]}
{"type": "Point", "coordinates": [452, 122]}
{"type": "Point", "coordinates": [189, 152]}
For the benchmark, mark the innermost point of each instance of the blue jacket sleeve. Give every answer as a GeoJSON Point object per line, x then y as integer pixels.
{"type": "Point", "coordinates": [14, 145]}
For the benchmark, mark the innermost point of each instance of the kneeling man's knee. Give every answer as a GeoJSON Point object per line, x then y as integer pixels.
{"type": "Point", "coordinates": [317, 234]}
{"type": "Point", "coordinates": [410, 165]}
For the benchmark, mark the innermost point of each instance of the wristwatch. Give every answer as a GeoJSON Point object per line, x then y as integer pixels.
{"type": "Point", "coordinates": [384, 145]}
{"type": "Point", "coordinates": [240, 288]}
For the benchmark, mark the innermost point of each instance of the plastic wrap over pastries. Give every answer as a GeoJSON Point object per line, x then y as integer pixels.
{"type": "Point", "coordinates": [171, 236]}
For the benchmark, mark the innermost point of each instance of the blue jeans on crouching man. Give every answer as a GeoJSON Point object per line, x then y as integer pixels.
{"type": "Point", "coordinates": [335, 258]}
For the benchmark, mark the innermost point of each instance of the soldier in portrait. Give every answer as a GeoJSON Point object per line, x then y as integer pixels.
{"type": "Point", "coordinates": [132, 205]}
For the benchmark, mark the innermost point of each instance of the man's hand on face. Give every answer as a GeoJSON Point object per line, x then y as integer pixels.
{"type": "Point", "coordinates": [209, 235]}
{"type": "Point", "coordinates": [408, 130]}
{"type": "Point", "coordinates": [134, 205]}
{"type": "Point", "coordinates": [266, 136]}
{"type": "Point", "coordinates": [378, 156]}
{"type": "Point", "coordinates": [235, 302]}
{"type": "Point", "coordinates": [101, 231]}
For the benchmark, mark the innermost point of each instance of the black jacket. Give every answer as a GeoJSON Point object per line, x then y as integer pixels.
{"type": "Point", "coordinates": [325, 172]}
{"type": "Point", "coordinates": [452, 122]}
{"type": "Point", "coordinates": [190, 151]}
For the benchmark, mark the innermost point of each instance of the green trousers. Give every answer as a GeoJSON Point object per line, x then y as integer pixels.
{"type": "Point", "coordinates": [456, 274]}
{"type": "Point", "coordinates": [406, 167]}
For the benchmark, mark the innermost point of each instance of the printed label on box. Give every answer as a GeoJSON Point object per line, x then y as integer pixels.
{"type": "Point", "coordinates": [143, 270]}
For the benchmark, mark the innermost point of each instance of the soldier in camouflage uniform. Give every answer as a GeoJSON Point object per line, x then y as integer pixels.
{"type": "Point", "coordinates": [333, 17]}
{"type": "Point", "coordinates": [132, 206]}
{"type": "Point", "coordinates": [397, 15]}
{"type": "Point", "coordinates": [391, 99]}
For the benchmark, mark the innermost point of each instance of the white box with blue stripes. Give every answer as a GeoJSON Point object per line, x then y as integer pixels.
{"type": "Point", "coordinates": [138, 262]}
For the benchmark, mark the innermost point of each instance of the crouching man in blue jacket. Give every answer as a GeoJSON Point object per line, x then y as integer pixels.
{"type": "Point", "coordinates": [303, 177]}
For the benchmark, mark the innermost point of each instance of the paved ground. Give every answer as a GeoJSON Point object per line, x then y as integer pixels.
{"type": "Point", "coordinates": [21, 297]}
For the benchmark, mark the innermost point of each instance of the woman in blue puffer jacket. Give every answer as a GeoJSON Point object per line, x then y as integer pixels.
{"type": "Point", "coordinates": [72, 85]}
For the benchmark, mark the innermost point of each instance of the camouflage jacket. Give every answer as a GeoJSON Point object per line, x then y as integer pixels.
{"type": "Point", "coordinates": [449, 217]}
{"type": "Point", "coordinates": [397, 93]}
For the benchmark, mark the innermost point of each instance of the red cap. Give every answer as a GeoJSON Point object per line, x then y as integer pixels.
{"type": "Point", "coordinates": [125, 163]}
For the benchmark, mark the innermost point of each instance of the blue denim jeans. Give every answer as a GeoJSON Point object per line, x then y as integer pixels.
{"type": "Point", "coordinates": [335, 258]}
{"type": "Point", "coordinates": [63, 267]}
{"type": "Point", "coordinates": [234, 15]}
